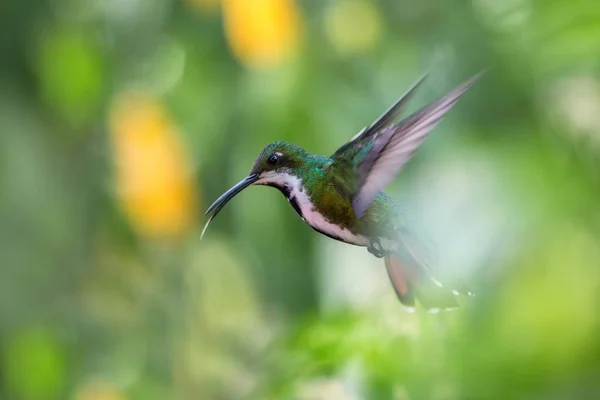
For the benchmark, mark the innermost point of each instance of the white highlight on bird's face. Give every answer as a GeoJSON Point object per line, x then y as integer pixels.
{"type": "Point", "coordinates": [310, 215]}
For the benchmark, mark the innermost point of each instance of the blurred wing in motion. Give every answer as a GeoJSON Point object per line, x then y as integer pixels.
{"type": "Point", "coordinates": [349, 149]}
{"type": "Point", "coordinates": [375, 157]}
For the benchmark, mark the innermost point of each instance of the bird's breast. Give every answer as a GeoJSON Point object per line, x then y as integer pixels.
{"type": "Point", "coordinates": [309, 213]}
{"type": "Point", "coordinates": [299, 198]}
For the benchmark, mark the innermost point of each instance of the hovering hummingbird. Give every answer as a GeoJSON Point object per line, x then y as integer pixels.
{"type": "Point", "coordinates": [341, 195]}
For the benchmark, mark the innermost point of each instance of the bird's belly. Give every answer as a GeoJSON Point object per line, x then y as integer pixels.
{"type": "Point", "coordinates": [318, 222]}
{"type": "Point", "coordinates": [322, 225]}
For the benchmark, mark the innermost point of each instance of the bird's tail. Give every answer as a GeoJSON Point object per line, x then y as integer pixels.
{"type": "Point", "coordinates": [412, 281]}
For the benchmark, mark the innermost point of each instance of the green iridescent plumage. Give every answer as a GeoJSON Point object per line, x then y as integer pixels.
{"type": "Point", "coordinates": [328, 192]}
{"type": "Point", "coordinates": [341, 195]}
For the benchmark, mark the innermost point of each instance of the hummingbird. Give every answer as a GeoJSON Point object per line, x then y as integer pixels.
{"type": "Point", "coordinates": [341, 196]}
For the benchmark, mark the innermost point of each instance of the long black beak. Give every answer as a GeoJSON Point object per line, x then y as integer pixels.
{"type": "Point", "coordinates": [218, 205]}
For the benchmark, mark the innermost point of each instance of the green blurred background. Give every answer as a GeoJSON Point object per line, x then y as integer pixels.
{"type": "Point", "coordinates": [122, 120]}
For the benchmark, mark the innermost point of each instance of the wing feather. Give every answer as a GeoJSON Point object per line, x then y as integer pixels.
{"type": "Point", "coordinates": [384, 120]}
{"type": "Point", "coordinates": [394, 145]}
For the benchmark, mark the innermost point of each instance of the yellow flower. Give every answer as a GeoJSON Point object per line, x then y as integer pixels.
{"type": "Point", "coordinates": [153, 176]}
{"type": "Point", "coordinates": [262, 33]}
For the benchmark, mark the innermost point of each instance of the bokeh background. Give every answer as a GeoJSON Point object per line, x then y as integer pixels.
{"type": "Point", "coordinates": [122, 120]}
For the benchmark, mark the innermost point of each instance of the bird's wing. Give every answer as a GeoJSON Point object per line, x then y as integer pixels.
{"type": "Point", "coordinates": [350, 149]}
{"type": "Point", "coordinates": [371, 161]}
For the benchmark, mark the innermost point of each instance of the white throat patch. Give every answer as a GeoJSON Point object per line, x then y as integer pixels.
{"type": "Point", "coordinates": [309, 214]}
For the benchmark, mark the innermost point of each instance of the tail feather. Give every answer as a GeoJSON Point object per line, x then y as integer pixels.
{"type": "Point", "coordinates": [412, 281]}
{"type": "Point", "coordinates": [399, 276]}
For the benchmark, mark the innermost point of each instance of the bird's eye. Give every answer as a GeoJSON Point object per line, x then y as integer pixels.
{"type": "Point", "coordinates": [273, 159]}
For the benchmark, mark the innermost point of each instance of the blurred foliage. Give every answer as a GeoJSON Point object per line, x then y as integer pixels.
{"type": "Point", "coordinates": [122, 120]}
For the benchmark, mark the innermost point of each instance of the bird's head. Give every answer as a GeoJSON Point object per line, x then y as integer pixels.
{"type": "Point", "coordinates": [277, 161]}
{"type": "Point", "coordinates": [278, 164]}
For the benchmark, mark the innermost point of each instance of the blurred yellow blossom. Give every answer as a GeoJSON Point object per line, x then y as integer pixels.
{"type": "Point", "coordinates": [262, 33]}
{"type": "Point", "coordinates": [153, 174]}
{"type": "Point", "coordinates": [353, 26]}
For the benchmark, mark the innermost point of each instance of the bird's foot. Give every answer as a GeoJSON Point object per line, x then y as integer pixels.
{"type": "Point", "coordinates": [375, 248]}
